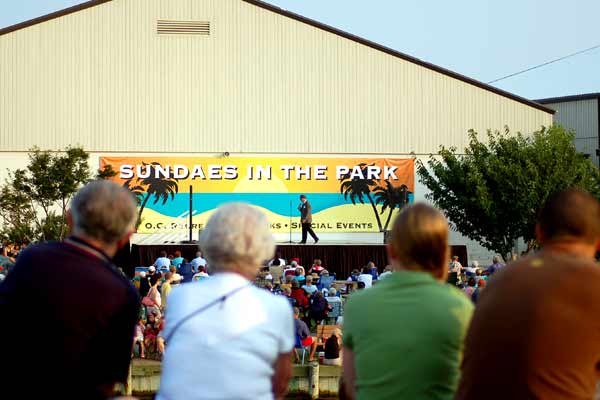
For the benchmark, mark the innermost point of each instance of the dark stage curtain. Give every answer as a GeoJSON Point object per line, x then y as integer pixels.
{"type": "Point", "coordinates": [336, 258]}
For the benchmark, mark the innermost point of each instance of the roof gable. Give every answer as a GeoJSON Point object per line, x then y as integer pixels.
{"type": "Point", "coordinates": [317, 25]}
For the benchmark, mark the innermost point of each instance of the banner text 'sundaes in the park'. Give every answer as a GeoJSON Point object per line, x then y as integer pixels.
{"type": "Point", "coordinates": [257, 172]}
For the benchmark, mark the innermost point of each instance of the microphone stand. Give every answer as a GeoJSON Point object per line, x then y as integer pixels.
{"type": "Point", "coordinates": [290, 241]}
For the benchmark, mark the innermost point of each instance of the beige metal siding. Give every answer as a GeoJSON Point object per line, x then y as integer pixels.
{"type": "Point", "coordinates": [582, 117]}
{"type": "Point", "coordinates": [260, 82]}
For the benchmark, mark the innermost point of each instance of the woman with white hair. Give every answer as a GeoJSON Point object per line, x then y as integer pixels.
{"type": "Point", "coordinates": [240, 337]}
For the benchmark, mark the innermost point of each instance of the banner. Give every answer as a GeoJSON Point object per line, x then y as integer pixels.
{"type": "Point", "coordinates": [346, 194]}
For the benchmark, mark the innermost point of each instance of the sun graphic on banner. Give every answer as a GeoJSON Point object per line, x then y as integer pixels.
{"type": "Point", "coordinates": [274, 185]}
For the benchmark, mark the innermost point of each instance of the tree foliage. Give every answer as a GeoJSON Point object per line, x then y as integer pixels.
{"type": "Point", "coordinates": [493, 192]}
{"type": "Point", "coordinates": [34, 200]}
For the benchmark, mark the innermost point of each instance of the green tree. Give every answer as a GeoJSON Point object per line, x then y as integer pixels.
{"type": "Point", "coordinates": [493, 192]}
{"type": "Point", "coordinates": [154, 185]}
{"type": "Point", "coordinates": [391, 197]}
{"type": "Point", "coordinates": [357, 188]}
{"type": "Point", "coordinates": [34, 200]}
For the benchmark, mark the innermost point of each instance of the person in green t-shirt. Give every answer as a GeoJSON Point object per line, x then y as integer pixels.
{"type": "Point", "coordinates": [403, 339]}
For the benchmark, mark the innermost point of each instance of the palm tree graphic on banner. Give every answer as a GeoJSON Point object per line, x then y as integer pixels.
{"type": "Point", "coordinates": [154, 185]}
{"type": "Point", "coordinates": [390, 197]}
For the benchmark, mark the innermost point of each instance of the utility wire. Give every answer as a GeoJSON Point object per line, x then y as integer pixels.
{"type": "Point", "coordinates": [546, 63]}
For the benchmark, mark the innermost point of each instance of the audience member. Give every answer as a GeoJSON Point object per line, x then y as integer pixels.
{"type": "Point", "coordinates": [138, 336]}
{"type": "Point", "coordinates": [88, 310]}
{"type": "Point", "coordinates": [428, 318]}
{"type": "Point", "coordinates": [318, 308]}
{"type": "Point", "coordinates": [200, 275]}
{"type": "Point", "coordinates": [335, 303]}
{"type": "Point", "coordinates": [535, 326]}
{"type": "Point", "coordinates": [303, 333]}
{"type": "Point", "coordinates": [165, 289]}
{"type": "Point", "coordinates": [366, 277]}
{"type": "Point", "coordinates": [354, 275]}
{"type": "Point", "coordinates": [317, 267]}
{"type": "Point", "coordinates": [472, 270]}
{"type": "Point", "coordinates": [175, 277]}
{"type": "Point", "coordinates": [456, 266]}
{"type": "Point", "coordinates": [470, 288]}
{"type": "Point", "coordinates": [373, 270]}
{"type": "Point", "coordinates": [144, 284]}
{"type": "Point", "coordinates": [162, 260]}
{"type": "Point", "coordinates": [186, 271]}
{"type": "Point", "coordinates": [281, 261]}
{"type": "Point", "coordinates": [178, 260]}
{"type": "Point", "coordinates": [387, 271]}
{"type": "Point", "coordinates": [309, 288]}
{"type": "Point", "coordinates": [477, 292]}
{"type": "Point", "coordinates": [300, 275]}
{"type": "Point", "coordinates": [326, 280]}
{"type": "Point", "coordinates": [333, 349]}
{"type": "Point", "coordinates": [496, 266]}
{"type": "Point", "coordinates": [198, 261]}
{"type": "Point", "coordinates": [299, 295]}
{"type": "Point", "coordinates": [237, 329]}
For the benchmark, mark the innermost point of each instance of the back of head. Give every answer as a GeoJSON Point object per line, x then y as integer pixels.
{"type": "Point", "coordinates": [294, 264]}
{"type": "Point", "coordinates": [163, 253]}
{"type": "Point", "coordinates": [154, 279]}
{"type": "Point", "coordinates": [572, 214]}
{"type": "Point", "coordinates": [276, 262]}
{"type": "Point", "coordinates": [332, 292]}
{"type": "Point", "coordinates": [366, 270]}
{"type": "Point", "coordinates": [370, 265]}
{"type": "Point", "coordinates": [198, 254]}
{"type": "Point", "coordinates": [104, 211]}
{"type": "Point", "coordinates": [177, 253]}
{"type": "Point", "coordinates": [237, 238]}
{"type": "Point", "coordinates": [419, 239]}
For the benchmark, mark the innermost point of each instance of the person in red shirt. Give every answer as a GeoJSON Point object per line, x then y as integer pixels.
{"type": "Point", "coordinates": [299, 295]}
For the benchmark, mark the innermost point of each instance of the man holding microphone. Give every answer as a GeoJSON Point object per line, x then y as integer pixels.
{"type": "Point", "coordinates": [306, 219]}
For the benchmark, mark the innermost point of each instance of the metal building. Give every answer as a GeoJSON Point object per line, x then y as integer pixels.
{"type": "Point", "coordinates": [582, 114]}
{"type": "Point", "coordinates": [205, 77]}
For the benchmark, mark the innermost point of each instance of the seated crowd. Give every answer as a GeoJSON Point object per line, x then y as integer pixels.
{"type": "Point", "coordinates": [240, 320]}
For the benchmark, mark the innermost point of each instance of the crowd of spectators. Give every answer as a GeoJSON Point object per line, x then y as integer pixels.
{"type": "Point", "coordinates": [426, 327]}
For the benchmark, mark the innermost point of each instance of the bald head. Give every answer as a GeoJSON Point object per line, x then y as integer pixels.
{"type": "Point", "coordinates": [104, 211]}
{"type": "Point", "coordinates": [572, 214]}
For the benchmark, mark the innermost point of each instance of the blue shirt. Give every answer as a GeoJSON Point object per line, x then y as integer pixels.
{"type": "Point", "coordinates": [177, 261]}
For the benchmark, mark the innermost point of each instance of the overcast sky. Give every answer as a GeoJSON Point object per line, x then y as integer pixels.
{"type": "Point", "coordinates": [478, 38]}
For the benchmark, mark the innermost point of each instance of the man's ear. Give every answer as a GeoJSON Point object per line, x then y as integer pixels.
{"type": "Point", "coordinates": [539, 234]}
{"type": "Point", "coordinates": [124, 240]}
{"type": "Point", "coordinates": [390, 252]}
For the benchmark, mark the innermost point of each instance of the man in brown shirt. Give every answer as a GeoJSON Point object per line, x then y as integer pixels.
{"type": "Point", "coordinates": [535, 333]}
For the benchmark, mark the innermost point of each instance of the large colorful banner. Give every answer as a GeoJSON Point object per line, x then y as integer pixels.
{"type": "Point", "coordinates": [346, 194]}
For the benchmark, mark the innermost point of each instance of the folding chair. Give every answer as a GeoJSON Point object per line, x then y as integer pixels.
{"type": "Point", "coordinates": [298, 346]}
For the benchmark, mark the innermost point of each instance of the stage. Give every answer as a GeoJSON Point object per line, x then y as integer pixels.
{"type": "Point", "coordinates": [337, 256]}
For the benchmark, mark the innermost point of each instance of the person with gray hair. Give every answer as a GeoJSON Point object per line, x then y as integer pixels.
{"type": "Point", "coordinates": [242, 334]}
{"type": "Point", "coordinates": [496, 265]}
{"type": "Point", "coordinates": [88, 309]}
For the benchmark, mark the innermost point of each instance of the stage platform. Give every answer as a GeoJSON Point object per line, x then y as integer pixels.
{"type": "Point", "coordinates": [337, 256]}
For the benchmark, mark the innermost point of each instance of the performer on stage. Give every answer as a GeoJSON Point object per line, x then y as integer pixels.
{"type": "Point", "coordinates": [306, 219]}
